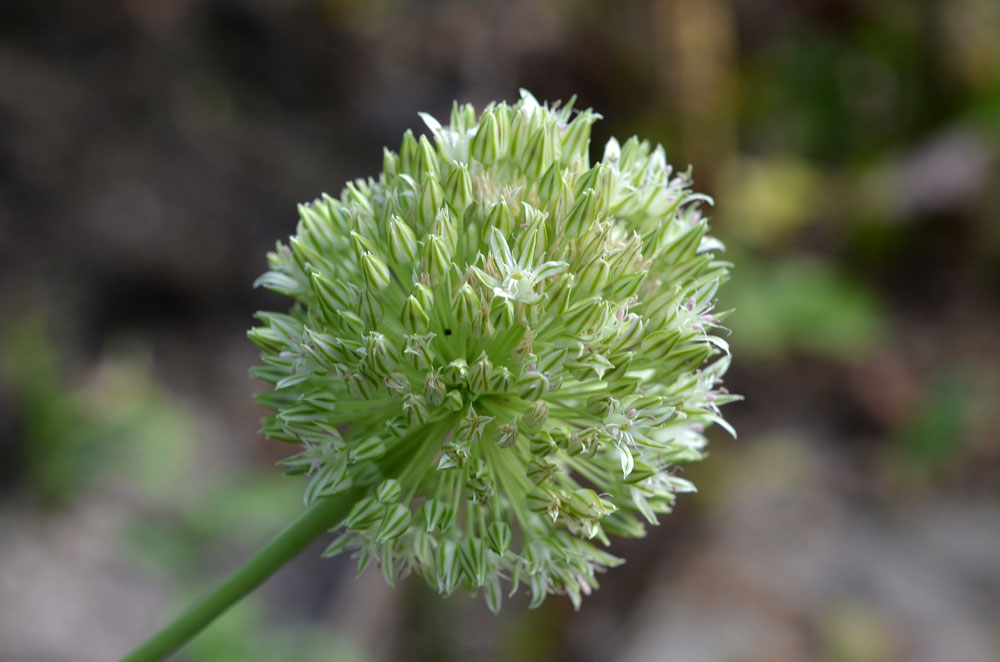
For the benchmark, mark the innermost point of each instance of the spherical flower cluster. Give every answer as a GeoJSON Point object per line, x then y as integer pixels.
{"type": "Point", "coordinates": [505, 349]}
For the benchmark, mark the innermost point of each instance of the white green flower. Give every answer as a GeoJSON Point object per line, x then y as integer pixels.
{"type": "Point", "coordinates": [509, 348]}
{"type": "Point", "coordinates": [516, 278]}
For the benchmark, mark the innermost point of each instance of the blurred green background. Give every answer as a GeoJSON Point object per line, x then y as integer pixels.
{"type": "Point", "coordinates": [151, 151]}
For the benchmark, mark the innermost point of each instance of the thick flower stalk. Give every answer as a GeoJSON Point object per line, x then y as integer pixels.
{"type": "Point", "coordinates": [505, 348]}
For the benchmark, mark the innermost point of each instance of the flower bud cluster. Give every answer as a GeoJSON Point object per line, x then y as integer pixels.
{"type": "Point", "coordinates": [505, 347]}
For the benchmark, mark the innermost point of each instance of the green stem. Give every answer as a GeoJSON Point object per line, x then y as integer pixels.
{"type": "Point", "coordinates": [323, 515]}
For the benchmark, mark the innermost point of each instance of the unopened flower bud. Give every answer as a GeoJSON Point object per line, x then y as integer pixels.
{"type": "Point", "coordinates": [437, 256]}
{"type": "Point", "coordinates": [500, 218]}
{"type": "Point", "coordinates": [402, 241]}
{"type": "Point", "coordinates": [434, 389]}
{"type": "Point", "coordinates": [576, 137]}
{"type": "Point", "coordinates": [537, 414]}
{"type": "Point", "coordinates": [427, 161]}
{"type": "Point", "coordinates": [396, 384]}
{"type": "Point", "coordinates": [413, 315]}
{"type": "Point", "coordinates": [453, 401]}
{"type": "Point", "coordinates": [541, 444]}
{"type": "Point", "coordinates": [455, 372]}
{"type": "Point", "coordinates": [417, 351]}
{"type": "Point", "coordinates": [424, 295]}
{"type": "Point", "coordinates": [500, 537]}
{"type": "Point", "coordinates": [415, 409]}
{"type": "Point", "coordinates": [559, 293]}
{"type": "Point", "coordinates": [501, 380]}
{"type": "Point", "coordinates": [459, 188]}
{"type": "Point", "coordinates": [431, 200]}
{"type": "Point", "coordinates": [531, 386]}
{"type": "Point", "coordinates": [360, 386]}
{"type": "Point", "coordinates": [540, 471]}
{"type": "Point", "coordinates": [582, 214]}
{"type": "Point", "coordinates": [586, 316]}
{"type": "Point", "coordinates": [482, 326]}
{"type": "Point", "coordinates": [389, 491]}
{"type": "Point", "coordinates": [485, 145]}
{"type": "Point", "coordinates": [480, 374]}
{"type": "Point", "coordinates": [446, 228]}
{"type": "Point", "coordinates": [390, 162]}
{"type": "Point", "coordinates": [380, 352]}
{"type": "Point", "coordinates": [595, 276]}
{"type": "Point", "coordinates": [506, 434]}
{"type": "Point", "coordinates": [376, 272]}
{"type": "Point", "coordinates": [370, 449]}
{"type": "Point", "coordinates": [465, 305]}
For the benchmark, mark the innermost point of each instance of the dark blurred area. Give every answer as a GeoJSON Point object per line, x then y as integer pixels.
{"type": "Point", "coordinates": [151, 152]}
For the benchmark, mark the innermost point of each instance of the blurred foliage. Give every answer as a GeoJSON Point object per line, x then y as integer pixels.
{"type": "Point", "coordinates": [764, 202]}
{"type": "Point", "coordinates": [231, 516]}
{"type": "Point", "coordinates": [248, 632]}
{"type": "Point", "coordinates": [226, 514]}
{"type": "Point", "coordinates": [74, 433]}
{"type": "Point", "coordinates": [238, 508]}
{"type": "Point", "coordinates": [935, 437]}
{"type": "Point", "coordinates": [800, 304]}
{"type": "Point", "coordinates": [856, 632]}
{"type": "Point", "coordinates": [118, 427]}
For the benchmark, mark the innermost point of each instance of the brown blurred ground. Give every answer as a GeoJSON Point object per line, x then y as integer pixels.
{"type": "Point", "coordinates": [151, 152]}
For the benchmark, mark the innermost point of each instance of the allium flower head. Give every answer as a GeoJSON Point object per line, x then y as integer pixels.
{"type": "Point", "coordinates": [505, 348]}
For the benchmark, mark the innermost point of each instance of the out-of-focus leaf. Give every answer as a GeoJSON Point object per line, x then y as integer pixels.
{"type": "Point", "coordinates": [937, 430]}
{"type": "Point", "coordinates": [764, 201]}
{"type": "Point", "coordinates": [800, 305]}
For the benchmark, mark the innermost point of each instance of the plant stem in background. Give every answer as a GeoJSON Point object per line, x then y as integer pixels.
{"type": "Point", "coordinates": [325, 514]}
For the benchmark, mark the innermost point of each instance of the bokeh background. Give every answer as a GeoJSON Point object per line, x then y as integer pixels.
{"type": "Point", "coordinates": [151, 151]}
